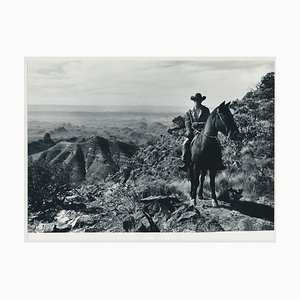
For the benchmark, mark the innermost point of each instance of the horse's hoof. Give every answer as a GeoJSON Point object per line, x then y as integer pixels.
{"type": "Point", "coordinates": [214, 203]}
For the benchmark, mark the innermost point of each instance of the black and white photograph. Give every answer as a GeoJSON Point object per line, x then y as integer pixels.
{"type": "Point", "coordinates": [150, 145]}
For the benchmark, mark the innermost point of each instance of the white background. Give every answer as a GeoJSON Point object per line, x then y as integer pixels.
{"type": "Point", "coordinates": [149, 28]}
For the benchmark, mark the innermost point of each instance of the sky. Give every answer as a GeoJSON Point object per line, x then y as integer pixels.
{"type": "Point", "coordinates": [141, 81]}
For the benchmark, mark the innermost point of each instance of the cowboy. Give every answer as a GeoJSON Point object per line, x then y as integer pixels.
{"type": "Point", "coordinates": [194, 119]}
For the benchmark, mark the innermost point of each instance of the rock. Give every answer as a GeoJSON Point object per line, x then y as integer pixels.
{"type": "Point", "coordinates": [122, 209]}
{"type": "Point", "coordinates": [85, 220]}
{"type": "Point", "coordinates": [187, 215]}
{"type": "Point", "coordinates": [72, 198]}
{"type": "Point", "coordinates": [214, 226]}
{"type": "Point", "coordinates": [65, 220]}
{"type": "Point", "coordinates": [45, 227]}
{"type": "Point", "coordinates": [74, 202]}
{"type": "Point", "coordinates": [178, 211]}
{"type": "Point", "coordinates": [245, 225]}
{"type": "Point", "coordinates": [64, 216]}
{"type": "Point", "coordinates": [253, 224]}
{"type": "Point", "coordinates": [159, 198]}
{"type": "Point", "coordinates": [95, 206]}
{"type": "Point", "coordinates": [75, 206]}
{"type": "Point", "coordinates": [62, 228]}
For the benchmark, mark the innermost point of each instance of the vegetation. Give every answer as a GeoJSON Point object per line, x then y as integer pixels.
{"type": "Point", "coordinates": [47, 184]}
{"type": "Point", "coordinates": [251, 159]}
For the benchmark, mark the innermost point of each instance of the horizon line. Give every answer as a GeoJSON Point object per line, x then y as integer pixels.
{"type": "Point", "coordinates": [102, 105]}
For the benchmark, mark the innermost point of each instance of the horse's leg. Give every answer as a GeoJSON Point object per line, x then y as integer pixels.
{"type": "Point", "coordinates": [194, 182]}
{"type": "Point", "coordinates": [212, 176]}
{"type": "Point", "coordinates": [192, 176]}
{"type": "Point", "coordinates": [203, 174]}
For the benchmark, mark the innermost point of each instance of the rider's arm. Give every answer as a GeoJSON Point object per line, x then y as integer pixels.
{"type": "Point", "coordinates": [188, 124]}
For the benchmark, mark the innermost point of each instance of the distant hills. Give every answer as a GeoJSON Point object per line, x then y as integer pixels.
{"type": "Point", "coordinates": [93, 153]}
{"type": "Point", "coordinates": [109, 108]}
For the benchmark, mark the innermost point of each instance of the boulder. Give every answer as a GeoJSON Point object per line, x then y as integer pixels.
{"type": "Point", "coordinates": [65, 220]}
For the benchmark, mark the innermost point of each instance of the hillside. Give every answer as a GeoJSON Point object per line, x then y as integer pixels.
{"type": "Point", "coordinates": [91, 160]}
{"type": "Point", "coordinates": [251, 159]}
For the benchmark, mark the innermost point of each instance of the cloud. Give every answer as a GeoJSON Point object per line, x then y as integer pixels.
{"type": "Point", "coordinates": [200, 65]}
{"type": "Point", "coordinates": [141, 81]}
{"type": "Point", "coordinates": [53, 69]}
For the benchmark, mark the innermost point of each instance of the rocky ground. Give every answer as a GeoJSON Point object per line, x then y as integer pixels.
{"type": "Point", "coordinates": [98, 208]}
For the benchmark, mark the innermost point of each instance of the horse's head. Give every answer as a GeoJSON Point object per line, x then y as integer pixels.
{"type": "Point", "coordinates": [225, 122]}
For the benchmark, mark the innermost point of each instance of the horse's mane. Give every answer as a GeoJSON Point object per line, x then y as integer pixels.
{"type": "Point", "coordinates": [210, 118]}
{"type": "Point", "coordinates": [213, 113]}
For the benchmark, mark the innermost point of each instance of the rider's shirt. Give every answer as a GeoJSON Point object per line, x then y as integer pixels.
{"type": "Point", "coordinates": [194, 116]}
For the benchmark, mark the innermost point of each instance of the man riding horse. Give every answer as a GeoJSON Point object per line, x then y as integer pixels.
{"type": "Point", "coordinates": [195, 120]}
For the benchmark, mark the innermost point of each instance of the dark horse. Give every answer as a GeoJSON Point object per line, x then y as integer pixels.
{"type": "Point", "coordinates": [206, 151]}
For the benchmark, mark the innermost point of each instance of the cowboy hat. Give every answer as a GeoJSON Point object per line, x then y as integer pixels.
{"type": "Point", "coordinates": [198, 96]}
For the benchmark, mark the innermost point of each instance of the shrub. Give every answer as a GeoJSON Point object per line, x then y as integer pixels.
{"type": "Point", "coordinates": [46, 185]}
{"type": "Point", "coordinates": [161, 188]}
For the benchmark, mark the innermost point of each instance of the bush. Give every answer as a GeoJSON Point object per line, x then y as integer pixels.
{"type": "Point", "coordinates": [161, 188]}
{"type": "Point", "coordinates": [47, 184]}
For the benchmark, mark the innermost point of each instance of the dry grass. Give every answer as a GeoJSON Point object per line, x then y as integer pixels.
{"type": "Point", "coordinates": [225, 181]}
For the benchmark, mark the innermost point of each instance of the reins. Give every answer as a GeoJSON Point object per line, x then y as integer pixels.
{"type": "Point", "coordinates": [209, 136]}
